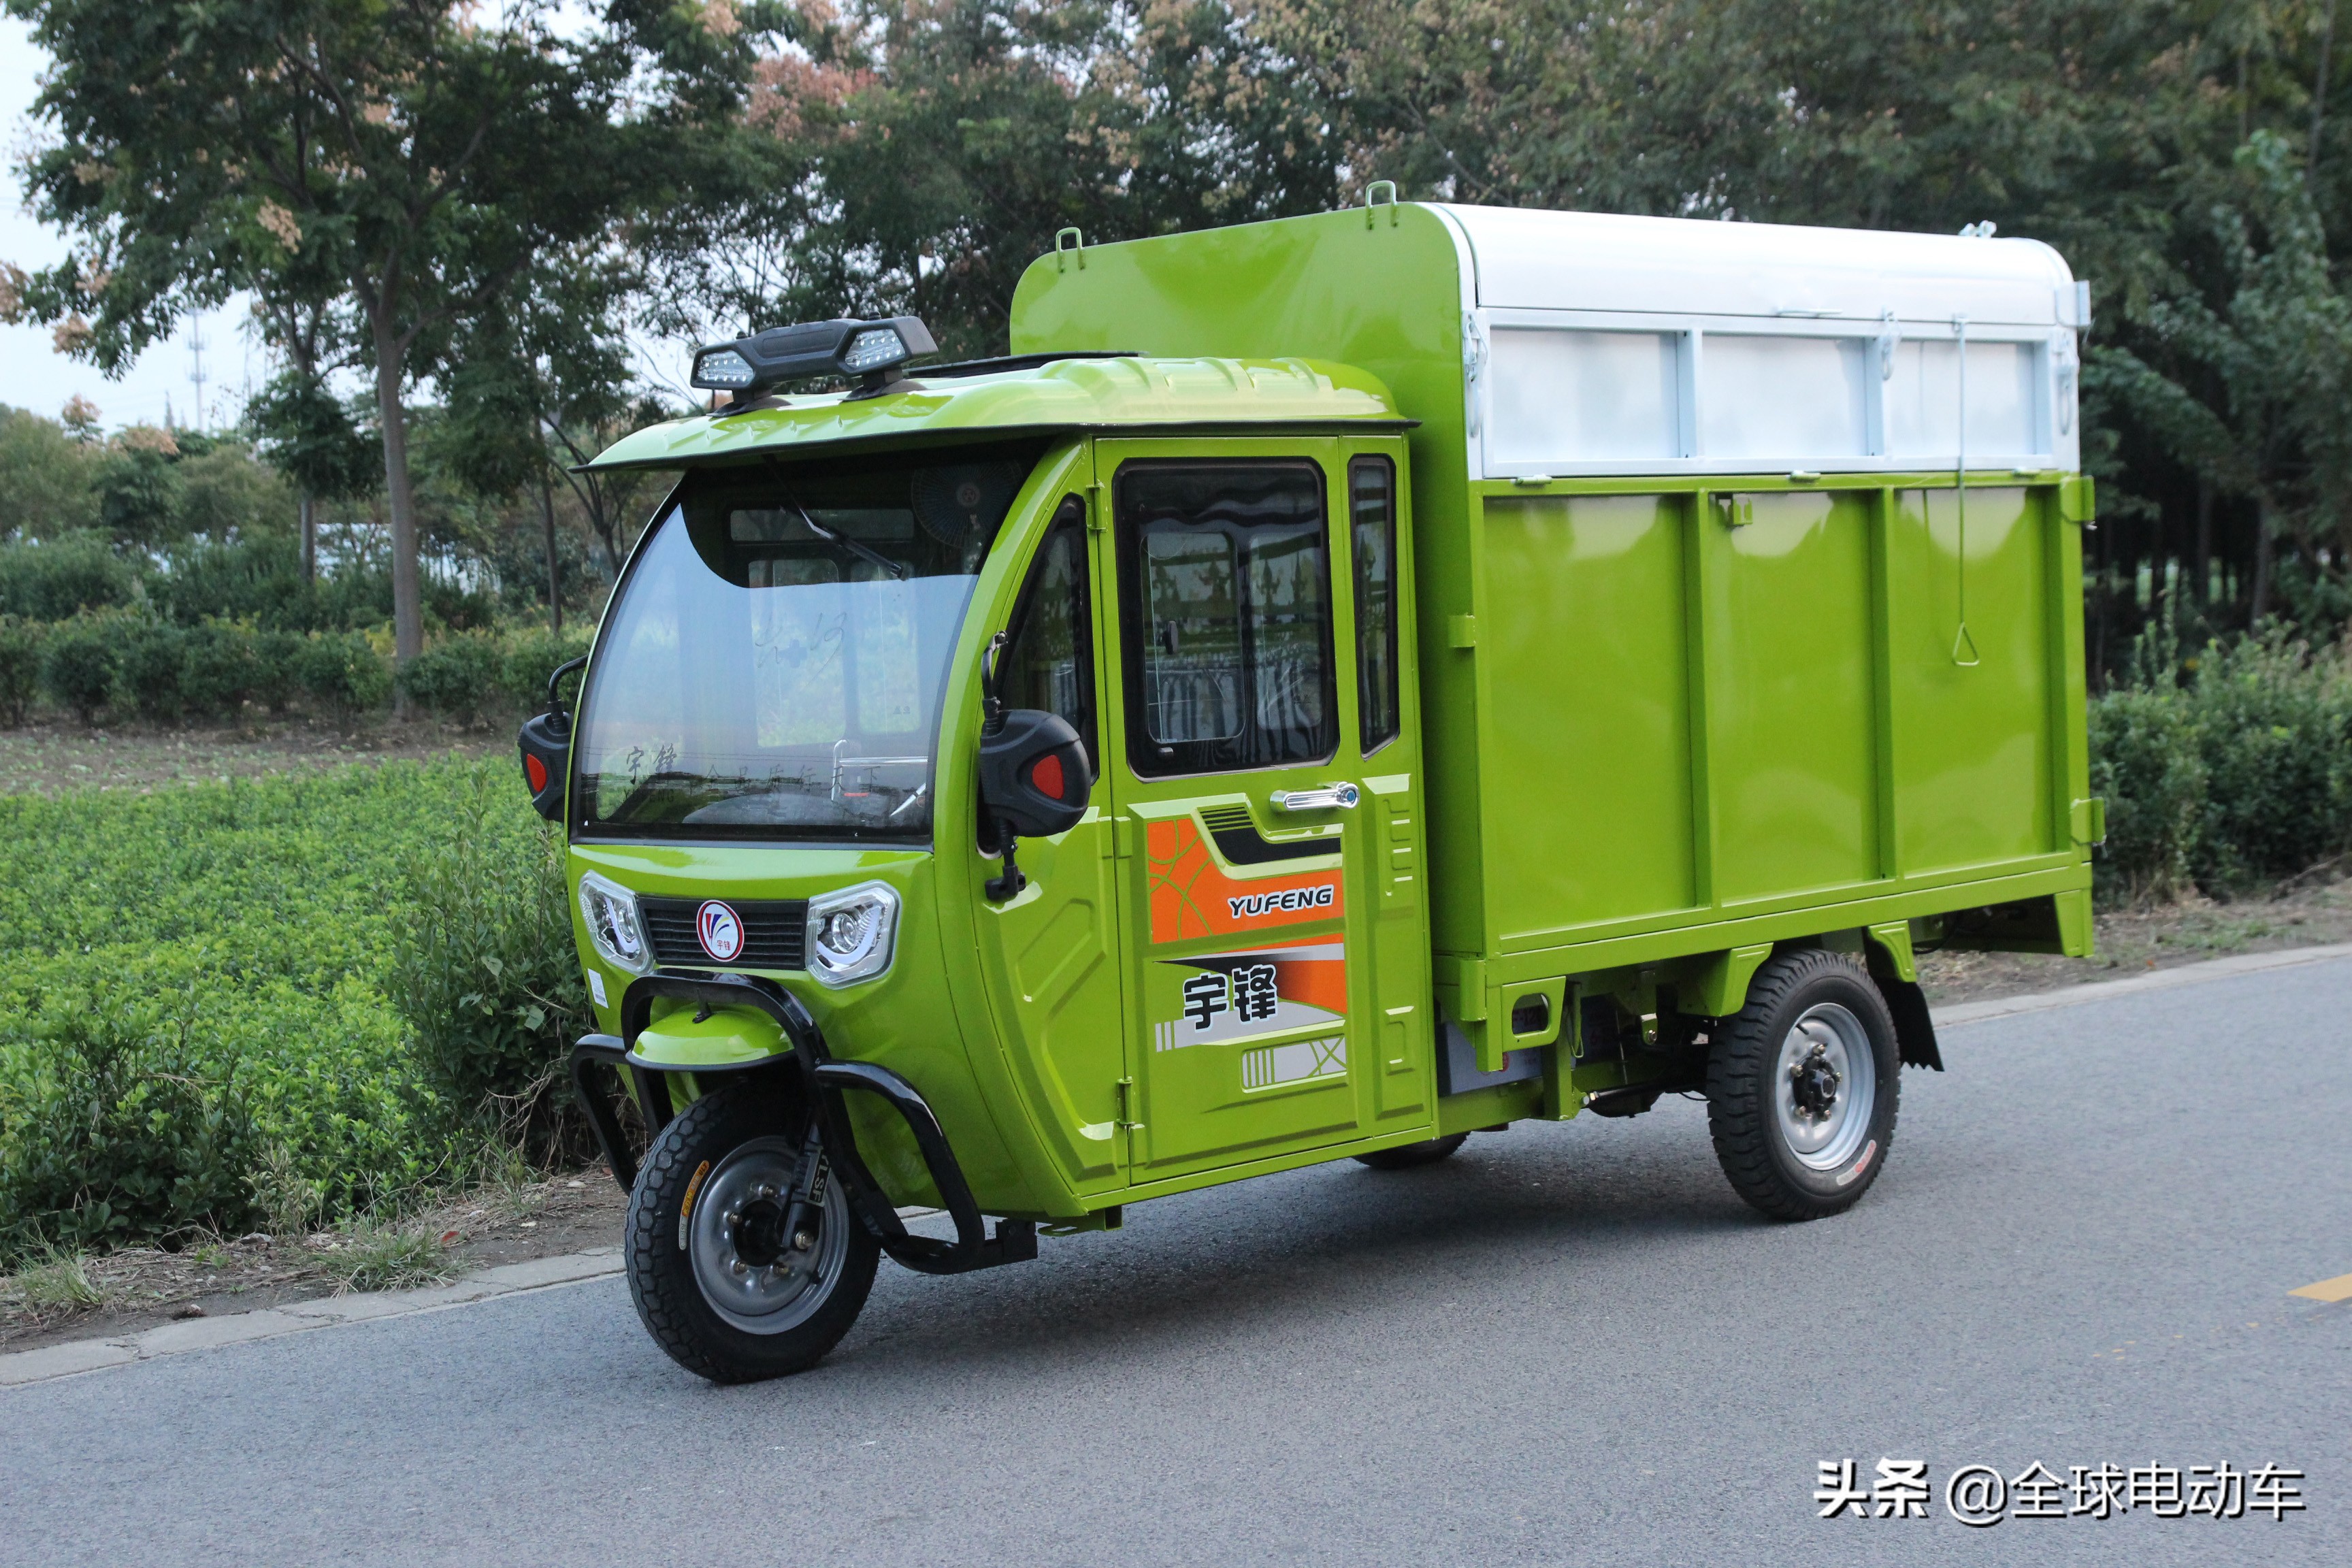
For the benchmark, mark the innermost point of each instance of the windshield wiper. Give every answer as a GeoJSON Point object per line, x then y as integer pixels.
{"type": "Point", "coordinates": [898, 569]}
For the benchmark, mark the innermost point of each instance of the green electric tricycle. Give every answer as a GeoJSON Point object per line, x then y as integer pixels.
{"type": "Point", "coordinates": [1339, 685]}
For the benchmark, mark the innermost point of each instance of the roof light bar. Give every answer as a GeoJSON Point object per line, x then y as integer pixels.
{"type": "Point", "coordinates": [870, 352]}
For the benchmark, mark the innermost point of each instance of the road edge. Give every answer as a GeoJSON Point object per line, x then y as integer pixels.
{"type": "Point", "coordinates": [2157, 980]}
{"type": "Point", "coordinates": [23, 1368]}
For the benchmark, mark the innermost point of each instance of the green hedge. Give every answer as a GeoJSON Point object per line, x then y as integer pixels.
{"type": "Point", "coordinates": [2224, 773]}
{"type": "Point", "coordinates": [220, 996]}
{"type": "Point", "coordinates": [127, 661]}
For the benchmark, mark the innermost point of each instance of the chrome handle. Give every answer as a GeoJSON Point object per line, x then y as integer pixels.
{"type": "Point", "coordinates": [1340, 797]}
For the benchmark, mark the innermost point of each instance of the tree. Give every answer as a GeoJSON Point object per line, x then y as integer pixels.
{"type": "Point", "coordinates": [48, 485]}
{"type": "Point", "coordinates": [303, 429]}
{"type": "Point", "coordinates": [422, 158]}
{"type": "Point", "coordinates": [924, 151]}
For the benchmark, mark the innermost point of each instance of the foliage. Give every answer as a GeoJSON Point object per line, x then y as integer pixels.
{"type": "Point", "coordinates": [22, 643]}
{"type": "Point", "coordinates": [51, 580]}
{"type": "Point", "coordinates": [82, 662]}
{"type": "Point", "coordinates": [406, 167]}
{"type": "Point", "coordinates": [2226, 771]}
{"type": "Point", "coordinates": [198, 1024]}
{"type": "Point", "coordinates": [923, 151]}
{"type": "Point", "coordinates": [488, 980]}
{"type": "Point", "coordinates": [45, 484]}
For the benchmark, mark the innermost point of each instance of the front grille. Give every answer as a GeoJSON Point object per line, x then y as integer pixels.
{"type": "Point", "coordinates": [775, 933]}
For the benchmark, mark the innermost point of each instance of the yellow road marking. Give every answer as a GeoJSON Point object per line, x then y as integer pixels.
{"type": "Point", "coordinates": [2337, 1289]}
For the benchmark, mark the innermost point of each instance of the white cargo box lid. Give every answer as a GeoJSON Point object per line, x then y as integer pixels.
{"type": "Point", "coordinates": [1535, 260]}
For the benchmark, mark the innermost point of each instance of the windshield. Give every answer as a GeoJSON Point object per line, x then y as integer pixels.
{"type": "Point", "coordinates": [771, 666]}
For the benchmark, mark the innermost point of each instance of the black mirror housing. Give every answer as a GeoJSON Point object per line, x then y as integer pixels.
{"type": "Point", "coordinates": [546, 743]}
{"type": "Point", "coordinates": [1033, 773]}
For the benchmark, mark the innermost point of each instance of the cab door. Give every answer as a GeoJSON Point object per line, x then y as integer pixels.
{"type": "Point", "coordinates": [1052, 953]}
{"type": "Point", "coordinates": [1257, 809]}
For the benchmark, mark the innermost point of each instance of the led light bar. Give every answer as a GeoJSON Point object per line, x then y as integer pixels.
{"type": "Point", "coordinates": [869, 353]}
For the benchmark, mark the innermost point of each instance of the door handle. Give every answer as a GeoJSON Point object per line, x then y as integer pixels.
{"type": "Point", "coordinates": [1329, 797]}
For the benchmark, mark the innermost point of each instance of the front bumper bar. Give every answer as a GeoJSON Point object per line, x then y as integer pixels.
{"type": "Point", "coordinates": [824, 1080]}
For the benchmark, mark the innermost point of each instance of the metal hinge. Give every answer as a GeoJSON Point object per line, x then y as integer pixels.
{"type": "Point", "coordinates": [1098, 507]}
{"type": "Point", "coordinates": [1127, 1106]}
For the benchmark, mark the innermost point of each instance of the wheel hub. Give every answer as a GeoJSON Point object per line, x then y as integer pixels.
{"type": "Point", "coordinates": [754, 1273]}
{"type": "Point", "coordinates": [1825, 1087]}
{"type": "Point", "coordinates": [1813, 1083]}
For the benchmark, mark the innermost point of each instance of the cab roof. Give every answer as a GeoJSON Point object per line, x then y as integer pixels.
{"type": "Point", "coordinates": [1130, 392]}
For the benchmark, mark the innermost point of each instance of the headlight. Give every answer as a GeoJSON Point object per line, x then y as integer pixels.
{"type": "Point", "coordinates": [851, 933]}
{"type": "Point", "coordinates": [611, 912]}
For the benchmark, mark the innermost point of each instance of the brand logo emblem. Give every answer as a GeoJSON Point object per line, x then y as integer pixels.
{"type": "Point", "coordinates": [721, 930]}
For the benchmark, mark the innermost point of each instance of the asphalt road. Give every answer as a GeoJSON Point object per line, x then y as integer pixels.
{"type": "Point", "coordinates": [1569, 1344]}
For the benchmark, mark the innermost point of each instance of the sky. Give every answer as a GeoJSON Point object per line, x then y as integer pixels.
{"type": "Point", "coordinates": [33, 375]}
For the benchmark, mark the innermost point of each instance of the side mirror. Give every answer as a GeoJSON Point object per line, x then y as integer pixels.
{"type": "Point", "coordinates": [1034, 778]}
{"type": "Point", "coordinates": [546, 743]}
{"type": "Point", "coordinates": [1033, 774]}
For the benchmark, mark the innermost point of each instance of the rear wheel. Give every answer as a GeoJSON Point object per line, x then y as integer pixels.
{"type": "Point", "coordinates": [719, 1281]}
{"type": "Point", "coordinates": [1406, 1156]}
{"type": "Point", "coordinates": [1801, 1086]}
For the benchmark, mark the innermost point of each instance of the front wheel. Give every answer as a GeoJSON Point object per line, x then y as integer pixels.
{"type": "Point", "coordinates": [717, 1280]}
{"type": "Point", "coordinates": [1800, 1088]}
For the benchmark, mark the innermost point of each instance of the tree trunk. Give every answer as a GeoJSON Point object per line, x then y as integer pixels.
{"type": "Point", "coordinates": [554, 574]}
{"type": "Point", "coordinates": [309, 509]}
{"type": "Point", "coordinates": [2202, 557]}
{"type": "Point", "coordinates": [2263, 551]}
{"type": "Point", "coordinates": [400, 498]}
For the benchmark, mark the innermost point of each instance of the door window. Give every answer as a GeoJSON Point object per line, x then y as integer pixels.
{"type": "Point", "coordinates": [1226, 604]}
{"type": "Point", "coordinates": [1371, 509]}
{"type": "Point", "coordinates": [1049, 658]}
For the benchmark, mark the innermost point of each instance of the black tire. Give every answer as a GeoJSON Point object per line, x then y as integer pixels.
{"type": "Point", "coordinates": [1814, 1029]}
{"type": "Point", "coordinates": [676, 1221]}
{"type": "Point", "coordinates": [1406, 1156]}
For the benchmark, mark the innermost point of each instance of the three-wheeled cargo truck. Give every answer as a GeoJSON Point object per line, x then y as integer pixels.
{"type": "Point", "coordinates": [1340, 684]}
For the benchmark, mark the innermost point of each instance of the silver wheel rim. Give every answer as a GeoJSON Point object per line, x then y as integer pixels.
{"type": "Point", "coordinates": [752, 1275]}
{"type": "Point", "coordinates": [1825, 1087]}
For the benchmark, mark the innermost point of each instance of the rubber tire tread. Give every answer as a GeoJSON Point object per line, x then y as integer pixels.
{"type": "Point", "coordinates": [1739, 1112]}
{"type": "Point", "coordinates": [1411, 1156]}
{"type": "Point", "coordinates": [661, 1279]}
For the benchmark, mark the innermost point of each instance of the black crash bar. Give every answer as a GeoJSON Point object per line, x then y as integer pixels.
{"type": "Point", "coordinates": [827, 1079]}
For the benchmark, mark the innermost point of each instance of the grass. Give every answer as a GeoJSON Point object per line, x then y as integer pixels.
{"type": "Point", "coordinates": [58, 1282]}
{"type": "Point", "coordinates": [389, 1256]}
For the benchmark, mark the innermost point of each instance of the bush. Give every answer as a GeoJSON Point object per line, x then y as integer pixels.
{"type": "Point", "coordinates": [79, 666]}
{"type": "Point", "coordinates": [150, 658]}
{"type": "Point", "coordinates": [258, 580]}
{"type": "Point", "coordinates": [488, 977]}
{"type": "Point", "coordinates": [2225, 772]}
{"type": "Point", "coordinates": [276, 667]}
{"type": "Point", "coordinates": [114, 1127]}
{"type": "Point", "coordinates": [2145, 762]}
{"type": "Point", "coordinates": [342, 671]}
{"type": "Point", "coordinates": [458, 676]}
{"type": "Point", "coordinates": [21, 643]}
{"type": "Point", "coordinates": [531, 657]}
{"type": "Point", "coordinates": [2274, 729]}
{"type": "Point", "coordinates": [60, 577]}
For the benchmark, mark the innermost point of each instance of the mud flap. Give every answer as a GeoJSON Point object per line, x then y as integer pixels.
{"type": "Point", "coordinates": [1914, 1029]}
